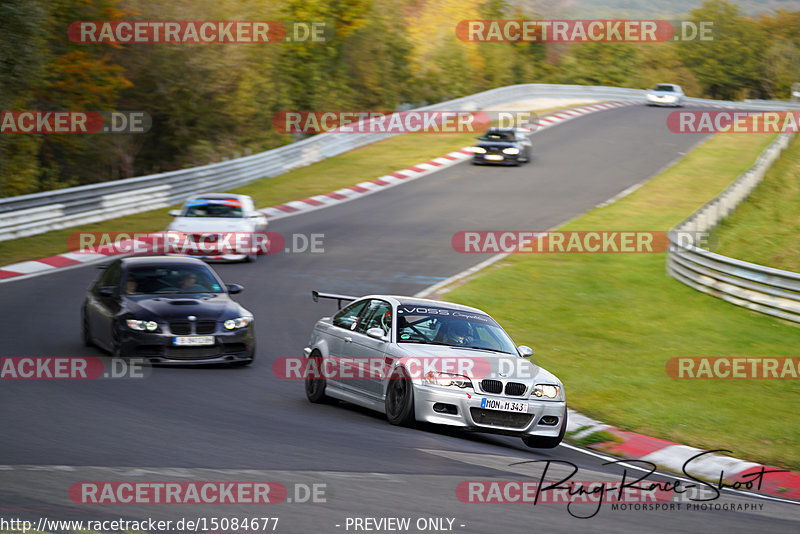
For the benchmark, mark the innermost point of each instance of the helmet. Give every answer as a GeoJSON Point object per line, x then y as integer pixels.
{"type": "Point", "coordinates": [458, 333]}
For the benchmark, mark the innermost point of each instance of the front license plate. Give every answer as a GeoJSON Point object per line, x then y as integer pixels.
{"type": "Point", "coordinates": [504, 405]}
{"type": "Point", "coordinates": [193, 341]}
{"type": "Point", "coordinates": [493, 157]}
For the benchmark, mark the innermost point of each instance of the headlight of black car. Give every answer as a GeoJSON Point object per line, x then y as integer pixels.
{"type": "Point", "coordinates": [142, 326]}
{"type": "Point", "coordinates": [239, 322]}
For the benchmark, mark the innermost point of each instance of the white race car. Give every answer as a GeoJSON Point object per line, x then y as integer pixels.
{"type": "Point", "coordinates": [438, 362]}
{"type": "Point", "coordinates": [218, 226]}
{"type": "Point", "coordinates": [665, 94]}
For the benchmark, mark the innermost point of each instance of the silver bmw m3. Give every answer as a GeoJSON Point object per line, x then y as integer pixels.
{"type": "Point", "coordinates": [432, 361]}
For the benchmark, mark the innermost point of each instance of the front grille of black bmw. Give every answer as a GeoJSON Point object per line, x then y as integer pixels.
{"type": "Point", "coordinates": [515, 389]}
{"type": "Point", "coordinates": [206, 327]}
{"type": "Point", "coordinates": [491, 386]}
{"type": "Point", "coordinates": [498, 418]}
{"type": "Point", "coordinates": [180, 328]}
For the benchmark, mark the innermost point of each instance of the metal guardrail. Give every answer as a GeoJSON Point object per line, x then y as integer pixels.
{"type": "Point", "coordinates": [37, 213]}
{"type": "Point", "coordinates": [763, 289]}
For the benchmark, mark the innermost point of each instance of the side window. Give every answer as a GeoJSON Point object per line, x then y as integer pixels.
{"type": "Point", "coordinates": [378, 315]}
{"type": "Point", "coordinates": [110, 276]}
{"type": "Point", "coordinates": [348, 317]}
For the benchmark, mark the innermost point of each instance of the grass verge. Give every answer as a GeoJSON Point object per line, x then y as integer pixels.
{"type": "Point", "coordinates": [350, 168]}
{"type": "Point", "coordinates": [606, 324]}
{"type": "Point", "coordinates": [765, 228]}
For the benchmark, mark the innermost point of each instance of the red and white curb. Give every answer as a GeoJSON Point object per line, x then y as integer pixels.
{"type": "Point", "coordinates": [28, 269]}
{"type": "Point", "coordinates": [673, 457]}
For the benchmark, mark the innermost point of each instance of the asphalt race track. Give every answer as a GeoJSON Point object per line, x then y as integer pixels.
{"type": "Point", "coordinates": [245, 424]}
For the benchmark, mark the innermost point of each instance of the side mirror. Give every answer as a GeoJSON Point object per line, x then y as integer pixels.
{"type": "Point", "coordinates": [377, 333]}
{"type": "Point", "coordinates": [525, 351]}
{"type": "Point", "coordinates": [234, 288]}
{"type": "Point", "coordinates": [108, 291]}
{"type": "Point", "coordinates": [175, 213]}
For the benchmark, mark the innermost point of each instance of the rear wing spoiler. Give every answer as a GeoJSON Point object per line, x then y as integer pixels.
{"type": "Point", "coordinates": [316, 295]}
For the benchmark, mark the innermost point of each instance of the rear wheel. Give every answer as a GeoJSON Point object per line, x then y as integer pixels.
{"type": "Point", "coordinates": [315, 383]}
{"type": "Point", "coordinates": [544, 442]}
{"type": "Point", "coordinates": [400, 399]}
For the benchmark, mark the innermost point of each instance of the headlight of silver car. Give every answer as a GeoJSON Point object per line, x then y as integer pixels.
{"type": "Point", "coordinates": [511, 150]}
{"type": "Point", "coordinates": [142, 326]}
{"type": "Point", "coordinates": [447, 380]}
{"type": "Point", "coordinates": [239, 322]}
{"type": "Point", "coordinates": [546, 390]}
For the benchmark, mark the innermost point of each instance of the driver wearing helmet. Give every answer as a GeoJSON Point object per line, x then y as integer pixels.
{"type": "Point", "coordinates": [458, 333]}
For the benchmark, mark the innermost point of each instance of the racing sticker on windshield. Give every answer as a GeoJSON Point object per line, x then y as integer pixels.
{"type": "Point", "coordinates": [216, 201]}
{"type": "Point", "coordinates": [444, 312]}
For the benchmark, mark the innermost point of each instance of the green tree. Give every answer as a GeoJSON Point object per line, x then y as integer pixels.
{"type": "Point", "coordinates": [730, 65]}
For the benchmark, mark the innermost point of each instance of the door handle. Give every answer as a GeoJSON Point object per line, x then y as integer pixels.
{"type": "Point", "coordinates": [348, 340]}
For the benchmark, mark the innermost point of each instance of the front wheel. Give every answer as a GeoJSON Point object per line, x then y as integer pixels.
{"type": "Point", "coordinates": [315, 385]}
{"type": "Point", "coordinates": [86, 333]}
{"type": "Point", "coordinates": [544, 442]}
{"type": "Point", "coordinates": [400, 399]}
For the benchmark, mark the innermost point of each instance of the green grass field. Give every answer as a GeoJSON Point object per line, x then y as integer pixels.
{"type": "Point", "coordinates": [606, 324]}
{"type": "Point", "coordinates": [765, 228]}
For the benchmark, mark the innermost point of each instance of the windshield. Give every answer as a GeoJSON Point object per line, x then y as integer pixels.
{"type": "Point", "coordinates": [174, 279]}
{"type": "Point", "coordinates": [498, 136]}
{"type": "Point", "coordinates": [450, 327]}
{"type": "Point", "coordinates": [229, 208]}
{"type": "Point", "coordinates": [662, 87]}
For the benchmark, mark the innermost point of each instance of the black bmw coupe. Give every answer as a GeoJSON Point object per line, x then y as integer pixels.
{"type": "Point", "coordinates": [167, 310]}
{"type": "Point", "coordinates": [504, 146]}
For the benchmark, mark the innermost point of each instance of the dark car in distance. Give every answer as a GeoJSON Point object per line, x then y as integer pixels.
{"type": "Point", "coordinates": [167, 310]}
{"type": "Point", "coordinates": [506, 146]}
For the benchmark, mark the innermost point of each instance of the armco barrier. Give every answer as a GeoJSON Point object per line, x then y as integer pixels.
{"type": "Point", "coordinates": [40, 212]}
{"type": "Point", "coordinates": [753, 286]}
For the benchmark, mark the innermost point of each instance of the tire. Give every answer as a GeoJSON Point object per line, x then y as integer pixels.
{"type": "Point", "coordinates": [315, 387]}
{"type": "Point", "coordinates": [116, 350]}
{"type": "Point", "coordinates": [86, 332]}
{"type": "Point", "coordinates": [400, 399]}
{"type": "Point", "coordinates": [543, 442]}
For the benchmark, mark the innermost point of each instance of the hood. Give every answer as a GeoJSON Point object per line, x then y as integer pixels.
{"type": "Point", "coordinates": [476, 364]}
{"type": "Point", "coordinates": [204, 306]}
{"type": "Point", "coordinates": [662, 93]}
{"type": "Point", "coordinates": [210, 225]}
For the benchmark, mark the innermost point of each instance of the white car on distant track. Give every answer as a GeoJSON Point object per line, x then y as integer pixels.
{"type": "Point", "coordinates": [665, 94]}
{"type": "Point", "coordinates": [219, 226]}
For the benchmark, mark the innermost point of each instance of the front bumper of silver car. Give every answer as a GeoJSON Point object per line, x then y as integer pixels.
{"type": "Point", "coordinates": [462, 408]}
